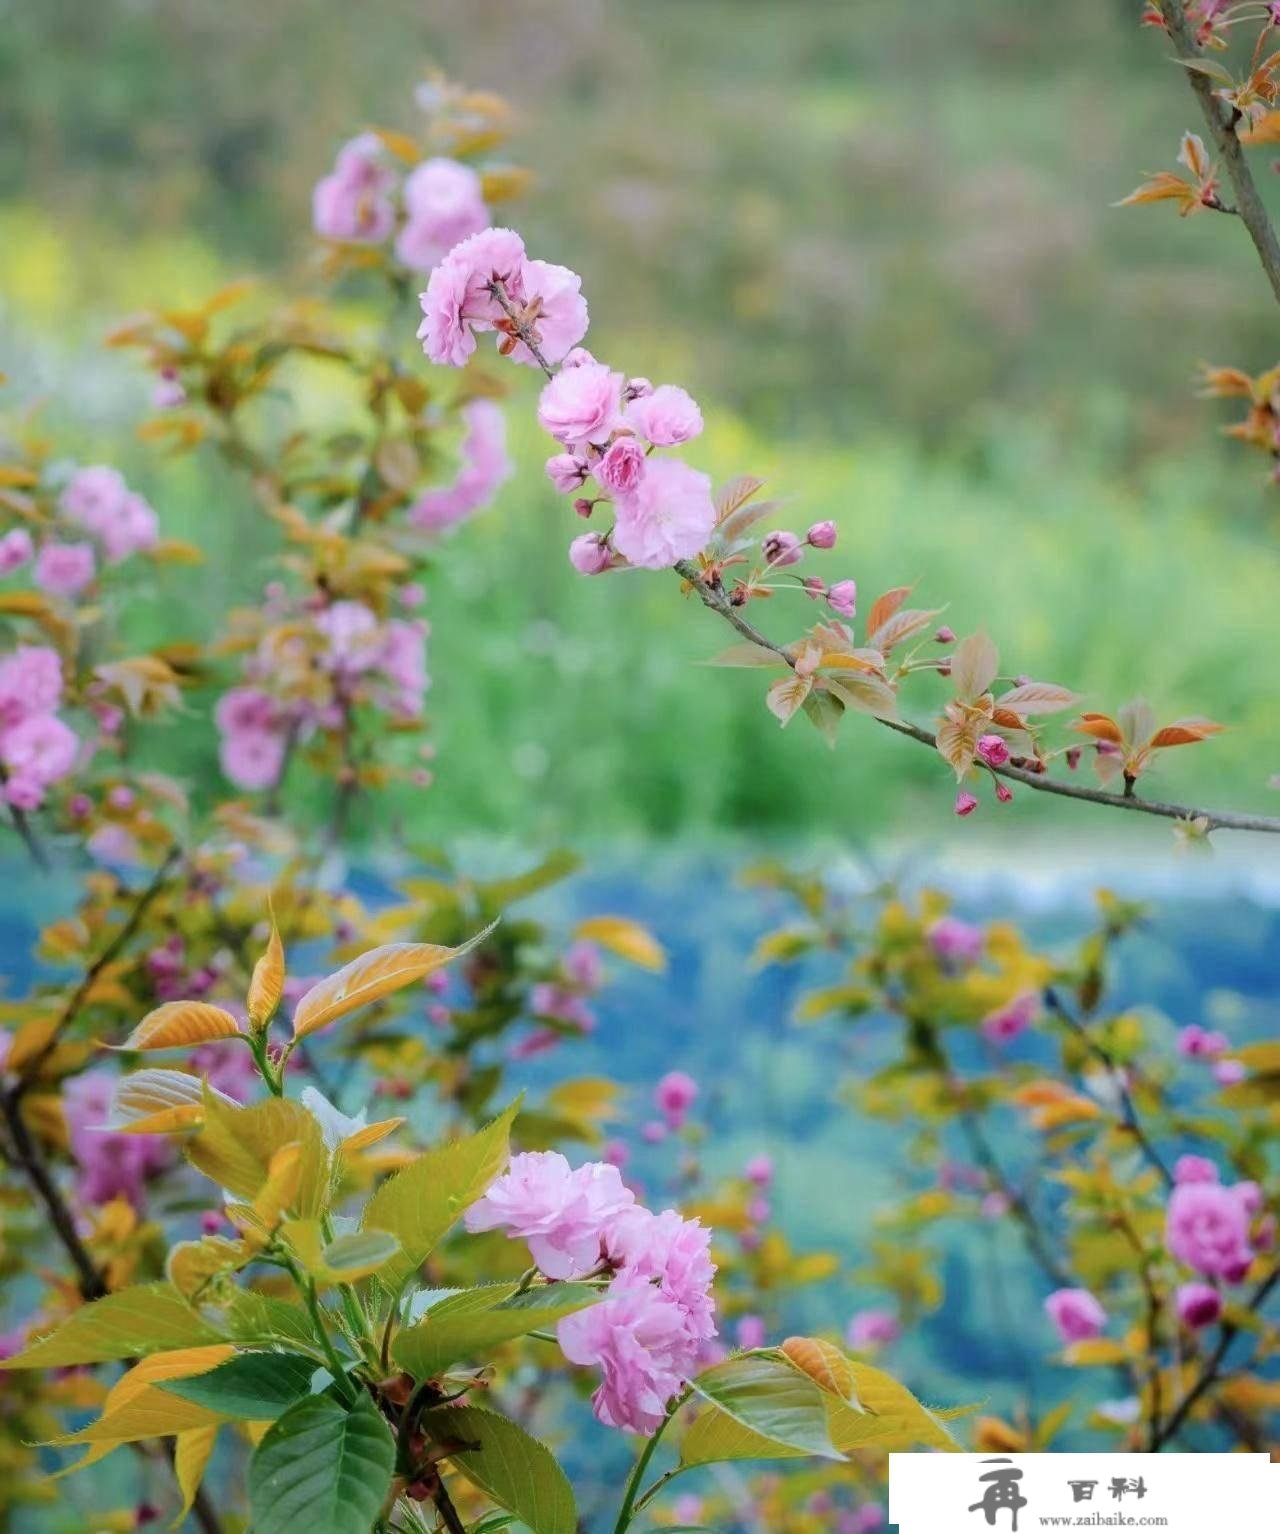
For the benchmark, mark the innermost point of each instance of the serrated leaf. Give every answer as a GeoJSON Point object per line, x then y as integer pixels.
{"type": "Point", "coordinates": [469, 1323]}
{"type": "Point", "coordinates": [420, 1204]}
{"type": "Point", "coordinates": [509, 1466]}
{"type": "Point", "coordinates": [901, 626]}
{"type": "Point", "coordinates": [191, 1454]}
{"type": "Point", "coordinates": [190, 1265]}
{"type": "Point", "coordinates": [182, 1024]}
{"type": "Point", "coordinates": [736, 493]}
{"type": "Point", "coordinates": [628, 939]}
{"type": "Point", "coordinates": [974, 666]}
{"type": "Point", "coordinates": [1037, 698]}
{"type": "Point", "coordinates": [157, 1101]}
{"type": "Point", "coordinates": [358, 1254]}
{"type": "Point", "coordinates": [764, 1394]}
{"type": "Point", "coordinates": [322, 1467]}
{"type": "Point", "coordinates": [892, 1418]}
{"type": "Point", "coordinates": [866, 694]}
{"type": "Point", "coordinates": [236, 1146]}
{"type": "Point", "coordinates": [885, 606]}
{"type": "Point", "coordinates": [146, 1318]}
{"type": "Point", "coordinates": [253, 1386]}
{"type": "Point", "coordinates": [1185, 732]}
{"type": "Point", "coordinates": [370, 978]}
{"type": "Point", "coordinates": [787, 694]}
{"type": "Point", "coordinates": [746, 655]}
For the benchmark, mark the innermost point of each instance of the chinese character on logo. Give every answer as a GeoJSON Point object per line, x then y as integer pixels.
{"type": "Point", "coordinates": [1082, 1491]}
{"type": "Point", "coordinates": [1120, 1487]}
{"type": "Point", "coordinates": [1002, 1491]}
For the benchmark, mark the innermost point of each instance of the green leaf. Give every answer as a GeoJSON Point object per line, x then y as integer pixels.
{"type": "Point", "coordinates": [235, 1146]}
{"type": "Point", "coordinates": [893, 1419]}
{"type": "Point", "coordinates": [419, 1204]}
{"type": "Point", "coordinates": [254, 1319]}
{"type": "Point", "coordinates": [322, 1468]}
{"type": "Point", "coordinates": [358, 1254]}
{"type": "Point", "coordinates": [254, 1387]}
{"type": "Point", "coordinates": [479, 1319]}
{"type": "Point", "coordinates": [517, 1471]}
{"type": "Point", "coordinates": [763, 1394]}
{"type": "Point", "coordinates": [147, 1318]}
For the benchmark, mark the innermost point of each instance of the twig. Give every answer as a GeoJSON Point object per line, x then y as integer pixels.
{"type": "Point", "coordinates": [33, 844]}
{"type": "Point", "coordinates": [108, 956]}
{"type": "Point", "coordinates": [1129, 1110]}
{"type": "Point", "coordinates": [1222, 128]}
{"type": "Point", "coordinates": [714, 597]}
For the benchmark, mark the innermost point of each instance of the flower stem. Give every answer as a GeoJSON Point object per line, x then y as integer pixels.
{"type": "Point", "coordinates": [631, 1497]}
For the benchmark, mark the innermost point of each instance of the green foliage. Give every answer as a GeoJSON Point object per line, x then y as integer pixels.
{"type": "Point", "coordinates": [461, 1326]}
{"type": "Point", "coordinates": [517, 1471]}
{"type": "Point", "coordinates": [323, 1467]}
{"type": "Point", "coordinates": [147, 1318]}
{"type": "Point", "coordinates": [256, 1387]}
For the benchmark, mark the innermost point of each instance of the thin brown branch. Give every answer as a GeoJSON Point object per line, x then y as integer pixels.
{"type": "Point", "coordinates": [1221, 121]}
{"type": "Point", "coordinates": [108, 956]}
{"type": "Point", "coordinates": [714, 597]}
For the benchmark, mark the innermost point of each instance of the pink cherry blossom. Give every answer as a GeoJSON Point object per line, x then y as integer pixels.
{"type": "Point", "coordinates": [402, 659]}
{"type": "Point", "coordinates": [133, 529]}
{"type": "Point", "coordinates": [1198, 1305]}
{"type": "Point", "coordinates": [668, 517]}
{"type": "Point", "coordinates": [1194, 1169]}
{"type": "Point", "coordinates": [64, 569]}
{"type": "Point", "coordinates": [562, 312]}
{"type": "Point", "coordinates": [966, 803]}
{"type": "Point", "coordinates": [444, 203]}
{"type": "Point", "coordinates": [30, 683]}
{"type": "Point", "coordinates": [560, 1211]}
{"type": "Point", "coordinates": [781, 548]}
{"type": "Point", "coordinates": [567, 472]}
{"type": "Point", "coordinates": [252, 759]}
{"type": "Point", "coordinates": [666, 416]}
{"type": "Point", "coordinates": [1012, 1019]}
{"type": "Point", "coordinates": [111, 1165]}
{"type": "Point", "coordinates": [484, 466]}
{"type": "Point", "coordinates": [759, 1170]}
{"type": "Point", "coordinates": [993, 750]}
{"type": "Point", "coordinates": [590, 554]}
{"type": "Point", "coordinates": [92, 496]}
{"type": "Point", "coordinates": [458, 301]}
{"type": "Point", "coordinates": [955, 941]}
{"type": "Point", "coordinates": [1207, 1228]}
{"type": "Point", "coordinates": [37, 752]}
{"type": "Point", "coordinates": [354, 638]}
{"type": "Point", "coordinates": [751, 1333]}
{"type": "Point", "coordinates": [1198, 1043]}
{"type": "Point", "coordinates": [843, 598]}
{"type": "Point", "coordinates": [581, 405]}
{"type": "Point", "coordinates": [16, 549]}
{"type": "Point", "coordinates": [354, 201]}
{"type": "Point", "coordinates": [621, 468]}
{"type": "Point", "coordinates": [674, 1095]}
{"type": "Point", "coordinates": [1076, 1314]}
{"type": "Point", "coordinates": [671, 1252]}
{"type": "Point", "coordinates": [637, 1336]}
{"type": "Point", "coordinates": [873, 1328]}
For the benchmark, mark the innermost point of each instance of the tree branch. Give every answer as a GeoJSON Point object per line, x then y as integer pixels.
{"type": "Point", "coordinates": [1221, 122]}
{"type": "Point", "coordinates": [714, 597]}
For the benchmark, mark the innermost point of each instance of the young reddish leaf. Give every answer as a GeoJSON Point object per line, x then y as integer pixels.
{"type": "Point", "coordinates": [974, 666]}
{"type": "Point", "coordinates": [786, 695]}
{"type": "Point", "coordinates": [1037, 698]}
{"type": "Point", "coordinates": [824, 1363]}
{"type": "Point", "coordinates": [1100, 726]}
{"type": "Point", "coordinates": [746, 654]}
{"type": "Point", "coordinates": [868, 694]}
{"type": "Point", "coordinates": [1185, 732]}
{"type": "Point", "coordinates": [958, 744]}
{"type": "Point", "coordinates": [901, 626]}
{"type": "Point", "coordinates": [884, 607]}
{"type": "Point", "coordinates": [736, 493]}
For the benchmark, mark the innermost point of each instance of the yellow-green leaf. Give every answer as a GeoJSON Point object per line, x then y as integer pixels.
{"type": "Point", "coordinates": [182, 1024]}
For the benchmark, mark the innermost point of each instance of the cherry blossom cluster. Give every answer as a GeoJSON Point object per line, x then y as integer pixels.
{"type": "Point", "coordinates": [648, 1332]}
{"type": "Point", "coordinates": [366, 200]}
{"type": "Point", "coordinates": [315, 663]}
{"type": "Point", "coordinates": [482, 468]}
{"type": "Point", "coordinates": [1212, 1228]}
{"type": "Point", "coordinates": [37, 747]}
{"type": "Point", "coordinates": [99, 520]}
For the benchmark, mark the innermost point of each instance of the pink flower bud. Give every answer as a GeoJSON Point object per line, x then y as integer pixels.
{"type": "Point", "coordinates": [814, 587]}
{"type": "Point", "coordinates": [1073, 757]}
{"type": "Point", "coordinates": [590, 554]}
{"type": "Point", "coordinates": [637, 388]}
{"type": "Point", "coordinates": [1003, 793]}
{"type": "Point", "coordinates": [781, 548]}
{"type": "Point", "coordinates": [759, 1170]}
{"type": "Point", "coordinates": [1199, 1305]}
{"type": "Point", "coordinates": [566, 471]}
{"type": "Point", "coordinates": [822, 535]}
{"type": "Point", "coordinates": [965, 803]}
{"type": "Point", "coordinates": [993, 750]}
{"type": "Point", "coordinates": [843, 597]}
{"type": "Point", "coordinates": [944, 635]}
{"type": "Point", "coordinates": [1229, 1073]}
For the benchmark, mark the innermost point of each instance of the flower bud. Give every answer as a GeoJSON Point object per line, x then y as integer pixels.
{"type": "Point", "coordinates": [590, 554]}
{"type": "Point", "coordinates": [993, 750]}
{"type": "Point", "coordinates": [965, 803]}
{"type": "Point", "coordinates": [780, 548]}
{"type": "Point", "coordinates": [822, 535]}
{"type": "Point", "coordinates": [944, 635]}
{"type": "Point", "coordinates": [843, 597]}
{"type": "Point", "coordinates": [584, 507]}
{"type": "Point", "coordinates": [1199, 1305]}
{"type": "Point", "coordinates": [566, 471]}
{"type": "Point", "coordinates": [1003, 793]}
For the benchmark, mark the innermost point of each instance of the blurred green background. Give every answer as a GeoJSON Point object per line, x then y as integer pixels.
{"type": "Point", "coordinates": [877, 241]}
